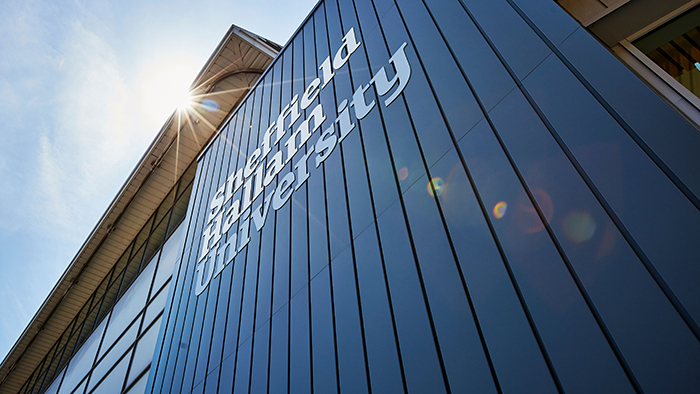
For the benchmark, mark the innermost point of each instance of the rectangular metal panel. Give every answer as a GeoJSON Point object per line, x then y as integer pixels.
{"type": "Point", "coordinates": [502, 219]}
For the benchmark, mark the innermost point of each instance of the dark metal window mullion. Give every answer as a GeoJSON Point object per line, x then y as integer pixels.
{"type": "Point", "coordinates": [35, 376]}
{"type": "Point", "coordinates": [82, 325]}
{"type": "Point", "coordinates": [60, 365]}
{"type": "Point", "coordinates": [130, 261]}
{"type": "Point", "coordinates": [151, 290]}
{"type": "Point", "coordinates": [54, 352]}
{"type": "Point", "coordinates": [102, 298]}
{"type": "Point", "coordinates": [154, 215]}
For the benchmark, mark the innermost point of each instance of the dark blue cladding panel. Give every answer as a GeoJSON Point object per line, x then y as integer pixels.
{"type": "Point", "coordinates": [422, 359]}
{"type": "Point", "coordinates": [611, 275]}
{"type": "Point", "coordinates": [349, 341]}
{"type": "Point", "coordinates": [258, 377]}
{"type": "Point", "coordinates": [299, 343]}
{"type": "Point", "coordinates": [447, 196]}
{"type": "Point", "coordinates": [462, 350]}
{"type": "Point", "coordinates": [509, 33]}
{"type": "Point", "coordinates": [323, 334]}
{"type": "Point", "coordinates": [382, 356]}
{"type": "Point", "coordinates": [641, 195]}
{"type": "Point", "coordinates": [550, 19]}
{"type": "Point", "coordinates": [647, 116]}
{"type": "Point", "coordinates": [509, 337]}
{"type": "Point", "coordinates": [539, 267]}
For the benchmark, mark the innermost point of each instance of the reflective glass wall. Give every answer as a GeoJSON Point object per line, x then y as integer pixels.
{"type": "Point", "coordinates": [122, 317]}
{"type": "Point", "coordinates": [441, 196]}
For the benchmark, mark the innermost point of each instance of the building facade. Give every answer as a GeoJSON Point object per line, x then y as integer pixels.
{"type": "Point", "coordinates": [443, 197]}
{"type": "Point", "coordinates": [454, 196]}
{"type": "Point", "coordinates": [96, 331]}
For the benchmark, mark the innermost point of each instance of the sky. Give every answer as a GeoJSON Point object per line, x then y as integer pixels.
{"type": "Point", "coordinates": [84, 88]}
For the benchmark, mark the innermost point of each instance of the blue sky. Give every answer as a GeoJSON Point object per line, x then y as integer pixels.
{"type": "Point", "coordinates": [84, 88]}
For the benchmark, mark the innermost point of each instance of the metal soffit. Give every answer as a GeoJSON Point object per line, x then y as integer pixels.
{"type": "Point", "coordinates": [234, 67]}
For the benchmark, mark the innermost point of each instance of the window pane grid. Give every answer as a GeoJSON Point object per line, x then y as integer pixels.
{"type": "Point", "coordinates": [147, 243]}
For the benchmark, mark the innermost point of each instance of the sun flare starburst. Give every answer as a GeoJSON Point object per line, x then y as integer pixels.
{"type": "Point", "coordinates": [185, 101]}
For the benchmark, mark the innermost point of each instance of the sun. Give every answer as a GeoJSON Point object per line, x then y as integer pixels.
{"type": "Point", "coordinates": [163, 87]}
{"type": "Point", "coordinates": [185, 101]}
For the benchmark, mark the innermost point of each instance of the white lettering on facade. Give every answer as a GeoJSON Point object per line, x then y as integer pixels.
{"type": "Point", "coordinates": [259, 171]}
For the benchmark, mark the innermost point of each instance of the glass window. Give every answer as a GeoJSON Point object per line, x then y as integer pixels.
{"type": "Point", "coordinates": [140, 386]}
{"type": "Point", "coordinates": [155, 241]}
{"type": "Point", "coordinates": [82, 361]}
{"type": "Point", "coordinates": [675, 47]}
{"type": "Point", "coordinates": [114, 354]}
{"type": "Point", "coordinates": [129, 305]}
{"type": "Point", "coordinates": [155, 307]}
{"type": "Point", "coordinates": [54, 387]}
{"type": "Point", "coordinates": [80, 388]}
{"type": "Point", "coordinates": [115, 380]}
{"type": "Point", "coordinates": [144, 352]}
{"type": "Point", "coordinates": [167, 259]}
{"type": "Point", "coordinates": [180, 208]}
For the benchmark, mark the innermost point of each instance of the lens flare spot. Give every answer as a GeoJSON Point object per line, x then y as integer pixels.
{"type": "Point", "coordinates": [526, 214]}
{"type": "Point", "coordinates": [579, 226]}
{"type": "Point", "coordinates": [207, 105]}
{"type": "Point", "coordinates": [435, 186]}
{"type": "Point", "coordinates": [403, 173]}
{"type": "Point", "coordinates": [499, 210]}
{"type": "Point", "coordinates": [607, 242]}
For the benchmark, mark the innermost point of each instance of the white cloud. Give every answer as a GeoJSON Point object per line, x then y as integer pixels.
{"type": "Point", "coordinates": [95, 141]}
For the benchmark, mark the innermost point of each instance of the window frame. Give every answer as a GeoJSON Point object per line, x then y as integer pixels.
{"type": "Point", "coordinates": [672, 91]}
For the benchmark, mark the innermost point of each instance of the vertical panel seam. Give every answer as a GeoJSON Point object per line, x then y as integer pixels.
{"type": "Point", "coordinates": [685, 190]}
{"type": "Point", "coordinates": [572, 272]}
